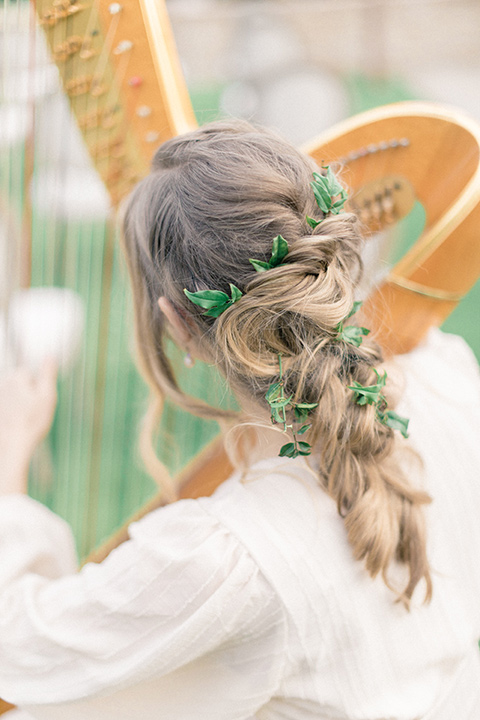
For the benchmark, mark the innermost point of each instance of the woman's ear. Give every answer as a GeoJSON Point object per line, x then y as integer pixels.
{"type": "Point", "coordinates": [179, 327]}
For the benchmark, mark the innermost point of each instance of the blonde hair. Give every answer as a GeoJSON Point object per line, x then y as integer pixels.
{"type": "Point", "coordinates": [215, 198]}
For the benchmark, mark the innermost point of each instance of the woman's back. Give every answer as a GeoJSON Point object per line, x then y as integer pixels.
{"type": "Point", "coordinates": [367, 656]}
{"type": "Point", "coordinates": [270, 614]}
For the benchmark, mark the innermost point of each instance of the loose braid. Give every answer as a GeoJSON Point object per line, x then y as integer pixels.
{"type": "Point", "coordinates": [216, 198]}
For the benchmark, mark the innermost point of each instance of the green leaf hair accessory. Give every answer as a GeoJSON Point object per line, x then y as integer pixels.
{"type": "Point", "coordinates": [279, 405]}
{"type": "Point", "coordinates": [351, 333]}
{"type": "Point", "coordinates": [214, 302]}
{"type": "Point", "coordinates": [369, 394]}
{"type": "Point", "coordinates": [330, 196]}
{"type": "Point", "coordinates": [279, 252]}
{"type": "Point", "coordinates": [372, 395]}
{"type": "Point", "coordinates": [394, 421]}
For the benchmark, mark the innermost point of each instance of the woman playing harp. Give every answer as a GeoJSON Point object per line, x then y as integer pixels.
{"type": "Point", "coordinates": [335, 574]}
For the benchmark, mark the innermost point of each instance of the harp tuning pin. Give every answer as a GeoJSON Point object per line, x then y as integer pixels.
{"type": "Point", "coordinates": [135, 81]}
{"type": "Point", "coordinates": [404, 142]}
{"type": "Point", "coordinates": [144, 111]}
{"type": "Point", "coordinates": [372, 148]}
{"type": "Point", "coordinates": [114, 8]}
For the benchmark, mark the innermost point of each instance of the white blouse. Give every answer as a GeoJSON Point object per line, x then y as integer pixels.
{"type": "Point", "coordinates": [249, 604]}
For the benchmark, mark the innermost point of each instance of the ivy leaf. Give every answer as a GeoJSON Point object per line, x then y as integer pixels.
{"type": "Point", "coordinates": [279, 251]}
{"type": "Point", "coordinates": [312, 222]}
{"type": "Point", "coordinates": [235, 293]}
{"type": "Point", "coordinates": [302, 410]}
{"type": "Point", "coordinates": [353, 334]}
{"type": "Point", "coordinates": [355, 308]}
{"type": "Point", "coordinates": [275, 415]}
{"type": "Point", "coordinates": [369, 394]}
{"type": "Point", "coordinates": [288, 450]}
{"type": "Point", "coordinates": [300, 414]}
{"type": "Point", "coordinates": [326, 188]}
{"type": "Point", "coordinates": [332, 183]}
{"type": "Point", "coordinates": [260, 265]}
{"type": "Point", "coordinates": [214, 302]}
{"type": "Point", "coordinates": [207, 298]}
{"type": "Point", "coordinates": [280, 403]}
{"type": "Point", "coordinates": [303, 429]}
{"type": "Point", "coordinates": [273, 392]}
{"type": "Point", "coordinates": [304, 448]}
{"type": "Point", "coordinates": [394, 421]}
{"type": "Point", "coordinates": [322, 197]}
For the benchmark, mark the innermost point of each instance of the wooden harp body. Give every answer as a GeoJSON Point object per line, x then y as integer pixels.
{"type": "Point", "coordinates": [119, 70]}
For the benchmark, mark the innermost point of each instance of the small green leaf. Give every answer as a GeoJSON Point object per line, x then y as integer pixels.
{"type": "Point", "coordinates": [312, 222]}
{"type": "Point", "coordinates": [322, 197]}
{"type": "Point", "coordinates": [260, 265]}
{"type": "Point", "coordinates": [300, 414]}
{"type": "Point", "coordinates": [303, 429]}
{"type": "Point", "coordinates": [302, 410]}
{"type": "Point", "coordinates": [235, 293]}
{"type": "Point", "coordinates": [369, 394]}
{"type": "Point", "coordinates": [280, 403]}
{"type": "Point", "coordinates": [207, 298]}
{"type": "Point", "coordinates": [276, 416]}
{"type": "Point", "coordinates": [273, 392]}
{"type": "Point", "coordinates": [394, 421]}
{"type": "Point", "coordinates": [353, 334]}
{"type": "Point", "coordinates": [279, 251]}
{"type": "Point", "coordinates": [332, 183]}
{"type": "Point", "coordinates": [355, 308]}
{"type": "Point", "coordinates": [288, 450]}
{"type": "Point", "coordinates": [214, 302]}
{"type": "Point", "coordinates": [304, 448]}
{"type": "Point", "coordinates": [217, 311]}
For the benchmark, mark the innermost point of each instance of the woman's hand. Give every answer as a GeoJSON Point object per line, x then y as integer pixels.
{"type": "Point", "coordinates": [27, 407]}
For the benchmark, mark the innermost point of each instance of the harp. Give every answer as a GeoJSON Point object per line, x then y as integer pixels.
{"type": "Point", "coordinates": [118, 68]}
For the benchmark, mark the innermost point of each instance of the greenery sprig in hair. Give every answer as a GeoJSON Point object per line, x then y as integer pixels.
{"type": "Point", "coordinates": [352, 334]}
{"type": "Point", "coordinates": [214, 302]}
{"type": "Point", "coordinates": [372, 395]}
{"type": "Point", "coordinates": [279, 252]}
{"type": "Point", "coordinates": [330, 196]}
{"type": "Point", "coordinates": [279, 405]}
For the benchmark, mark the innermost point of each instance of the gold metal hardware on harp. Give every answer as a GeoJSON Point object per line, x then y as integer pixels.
{"type": "Point", "coordinates": [383, 202]}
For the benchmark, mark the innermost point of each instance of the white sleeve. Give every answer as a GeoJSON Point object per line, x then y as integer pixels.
{"type": "Point", "coordinates": [182, 588]}
{"type": "Point", "coordinates": [33, 539]}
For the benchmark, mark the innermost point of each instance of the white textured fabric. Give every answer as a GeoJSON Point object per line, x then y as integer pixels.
{"type": "Point", "coordinates": [249, 604]}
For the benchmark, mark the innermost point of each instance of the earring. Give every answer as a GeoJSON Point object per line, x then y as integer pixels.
{"type": "Point", "coordinates": [188, 360]}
